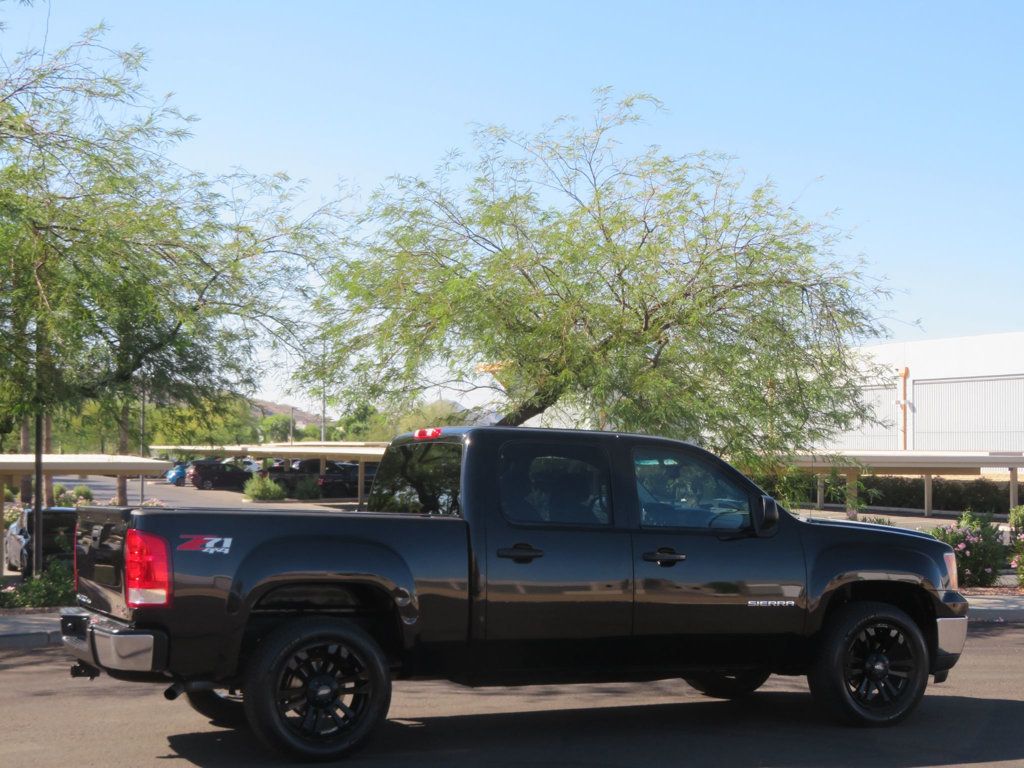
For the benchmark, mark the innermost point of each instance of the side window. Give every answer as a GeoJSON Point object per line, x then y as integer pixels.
{"type": "Point", "coordinates": [555, 484]}
{"type": "Point", "coordinates": [675, 490]}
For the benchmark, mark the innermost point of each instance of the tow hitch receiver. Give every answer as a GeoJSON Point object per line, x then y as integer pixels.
{"type": "Point", "coordinates": [81, 669]}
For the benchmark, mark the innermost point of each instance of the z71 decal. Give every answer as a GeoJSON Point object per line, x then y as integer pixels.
{"type": "Point", "coordinates": [211, 545]}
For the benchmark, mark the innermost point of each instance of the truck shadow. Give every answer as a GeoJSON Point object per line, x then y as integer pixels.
{"type": "Point", "coordinates": [773, 728]}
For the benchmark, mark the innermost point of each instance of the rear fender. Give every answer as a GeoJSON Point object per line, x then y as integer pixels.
{"type": "Point", "coordinates": [339, 560]}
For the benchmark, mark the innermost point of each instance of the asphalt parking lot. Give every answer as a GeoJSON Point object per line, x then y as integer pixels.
{"type": "Point", "coordinates": [973, 719]}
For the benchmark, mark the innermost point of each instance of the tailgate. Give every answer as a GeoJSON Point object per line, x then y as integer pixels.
{"type": "Point", "coordinates": [99, 553]}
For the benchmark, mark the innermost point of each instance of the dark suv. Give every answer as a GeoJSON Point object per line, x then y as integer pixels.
{"type": "Point", "coordinates": [210, 476]}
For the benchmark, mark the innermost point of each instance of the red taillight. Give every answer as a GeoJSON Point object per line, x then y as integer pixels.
{"type": "Point", "coordinates": [427, 434]}
{"type": "Point", "coordinates": [147, 570]}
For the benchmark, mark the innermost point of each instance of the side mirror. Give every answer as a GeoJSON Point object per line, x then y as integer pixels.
{"type": "Point", "coordinates": [766, 516]}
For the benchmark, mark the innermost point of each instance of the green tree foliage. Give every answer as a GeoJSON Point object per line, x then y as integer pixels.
{"type": "Point", "coordinates": [275, 428]}
{"type": "Point", "coordinates": [644, 291]}
{"type": "Point", "coordinates": [123, 275]}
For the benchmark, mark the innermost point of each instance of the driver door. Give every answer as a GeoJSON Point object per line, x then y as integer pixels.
{"type": "Point", "coordinates": [702, 575]}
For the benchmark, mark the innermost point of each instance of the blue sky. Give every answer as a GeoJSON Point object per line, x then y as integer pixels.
{"type": "Point", "coordinates": [906, 117]}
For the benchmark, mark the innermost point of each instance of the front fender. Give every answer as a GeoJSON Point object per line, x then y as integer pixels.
{"type": "Point", "coordinates": [846, 564]}
{"type": "Point", "coordinates": [337, 559]}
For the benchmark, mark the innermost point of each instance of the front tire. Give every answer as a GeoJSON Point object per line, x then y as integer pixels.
{"type": "Point", "coordinates": [871, 667]}
{"type": "Point", "coordinates": [317, 688]}
{"type": "Point", "coordinates": [734, 685]}
{"type": "Point", "coordinates": [221, 707]}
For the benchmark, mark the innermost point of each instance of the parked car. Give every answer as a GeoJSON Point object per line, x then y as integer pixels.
{"type": "Point", "coordinates": [244, 462]}
{"type": "Point", "coordinates": [290, 473]}
{"type": "Point", "coordinates": [190, 468]}
{"type": "Point", "coordinates": [58, 535]}
{"type": "Point", "coordinates": [341, 480]}
{"type": "Point", "coordinates": [176, 474]}
{"type": "Point", "coordinates": [219, 475]}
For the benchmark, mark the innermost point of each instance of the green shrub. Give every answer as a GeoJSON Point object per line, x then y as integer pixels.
{"type": "Point", "coordinates": [877, 521]}
{"type": "Point", "coordinates": [82, 491]}
{"type": "Point", "coordinates": [8, 495]}
{"type": "Point", "coordinates": [978, 546]}
{"type": "Point", "coordinates": [306, 488]}
{"type": "Point", "coordinates": [56, 587]}
{"type": "Point", "coordinates": [263, 489]}
{"type": "Point", "coordinates": [59, 489]}
{"type": "Point", "coordinates": [1017, 521]}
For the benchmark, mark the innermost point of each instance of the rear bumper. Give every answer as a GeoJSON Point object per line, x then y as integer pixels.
{"type": "Point", "coordinates": [111, 645]}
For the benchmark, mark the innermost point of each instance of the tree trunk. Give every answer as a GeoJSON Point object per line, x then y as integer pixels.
{"type": "Point", "coordinates": [122, 448]}
{"type": "Point", "coordinates": [26, 447]}
{"type": "Point", "coordinates": [48, 448]}
{"type": "Point", "coordinates": [532, 407]}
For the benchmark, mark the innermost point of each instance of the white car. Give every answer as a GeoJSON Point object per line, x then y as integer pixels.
{"type": "Point", "coordinates": [249, 465]}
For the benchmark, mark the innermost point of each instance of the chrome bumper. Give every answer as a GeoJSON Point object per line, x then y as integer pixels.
{"type": "Point", "coordinates": [952, 635]}
{"type": "Point", "coordinates": [108, 644]}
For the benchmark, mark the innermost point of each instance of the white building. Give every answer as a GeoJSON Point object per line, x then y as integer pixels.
{"type": "Point", "coordinates": [962, 394]}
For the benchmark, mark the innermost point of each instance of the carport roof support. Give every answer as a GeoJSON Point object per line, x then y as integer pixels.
{"type": "Point", "coordinates": [924, 463]}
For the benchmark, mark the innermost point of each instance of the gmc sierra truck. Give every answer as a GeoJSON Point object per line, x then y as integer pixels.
{"type": "Point", "coordinates": [498, 556]}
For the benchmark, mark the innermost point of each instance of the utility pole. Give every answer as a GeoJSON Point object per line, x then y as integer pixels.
{"type": "Point", "coordinates": [37, 499]}
{"type": "Point", "coordinates": [323, 415]}
{"type": "Point", "coordinates": [291, 426]}
{"type": "Point", "coordinates": [142, 446]}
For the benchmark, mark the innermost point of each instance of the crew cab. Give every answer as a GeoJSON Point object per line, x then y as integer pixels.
{"type": "Point", "coordinates": [496, 556]}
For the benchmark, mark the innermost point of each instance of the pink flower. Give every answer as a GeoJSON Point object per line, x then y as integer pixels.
{"type": "Point", "coordinates": [961, 546]}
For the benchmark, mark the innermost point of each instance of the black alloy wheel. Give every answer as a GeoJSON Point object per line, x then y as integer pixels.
{"type": "Point", "coordinates": [207, 485]}
{"type": "Point", "coordinates": [317, 688]}
{"type": "Point", "coordinates": [872, 665]}
{"type": "Point", "coordinates": [323, 690]}
{"type": "Point", "coordinates": [879, 664]}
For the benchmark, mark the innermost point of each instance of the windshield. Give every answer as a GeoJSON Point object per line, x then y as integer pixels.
{"type": "Point", "coordinates": [418, 478]}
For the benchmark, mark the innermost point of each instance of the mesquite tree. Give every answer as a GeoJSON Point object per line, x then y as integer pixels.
{"type": "Point", "coordinates": [644, 291]}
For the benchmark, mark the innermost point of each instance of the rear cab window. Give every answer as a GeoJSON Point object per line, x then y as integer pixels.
{"type": "Point", "coordinates": [420, 478]}
{"type": "Point", "coordinates": [554, 484]}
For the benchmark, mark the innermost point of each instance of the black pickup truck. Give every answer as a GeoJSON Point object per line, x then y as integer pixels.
{"type": "Point", "coordinates": [496, 556]}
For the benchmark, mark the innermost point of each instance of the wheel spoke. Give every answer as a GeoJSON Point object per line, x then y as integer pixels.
{"type": "Point", "coordinates": [309, 719]}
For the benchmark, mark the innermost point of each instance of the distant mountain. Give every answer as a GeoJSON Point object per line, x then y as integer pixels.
{"type": "Point", "coordinates": [264, 408]}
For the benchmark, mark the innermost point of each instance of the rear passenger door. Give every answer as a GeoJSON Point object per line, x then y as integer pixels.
{"type": "Point", "coordinates": [559, 570]}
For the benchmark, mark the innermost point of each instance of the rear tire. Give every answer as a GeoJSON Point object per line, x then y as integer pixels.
{"type": "Point", "coordinates": [317, 688]}
{"type": "Point", "coordinates": [723, 685]}
{"type": "Point", "coordinates": [871, 667]}
{"type": "Point", "coordinates": [207, 485]}
{"type": "Point", "coordinates": [218, 706]}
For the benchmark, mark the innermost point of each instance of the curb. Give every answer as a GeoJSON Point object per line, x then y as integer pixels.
{"type": "Point", "coordinates": [29, 640]}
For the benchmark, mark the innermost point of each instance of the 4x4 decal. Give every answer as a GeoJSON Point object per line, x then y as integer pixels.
{"type": "Point", "coordinates": [211, 545]}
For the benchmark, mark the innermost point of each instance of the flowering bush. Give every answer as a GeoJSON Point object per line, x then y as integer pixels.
{"type": "Point", "coordinates": [979, 549]}
{"type": "Point", "coordinates": [1017, 562]}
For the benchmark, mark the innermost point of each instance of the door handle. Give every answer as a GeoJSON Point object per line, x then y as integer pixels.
{"type": "Point", "coordinates": [520, 553]}
{"type": "Point", "coordinates": [666, 557]}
